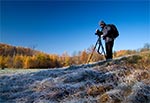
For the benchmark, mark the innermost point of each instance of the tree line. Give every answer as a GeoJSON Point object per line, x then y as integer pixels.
{"type": "Point", "coordinates": [19, 57]}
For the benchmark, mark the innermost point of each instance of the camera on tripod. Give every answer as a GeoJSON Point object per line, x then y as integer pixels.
{"type": "Point", "coordinates": [98, 32]}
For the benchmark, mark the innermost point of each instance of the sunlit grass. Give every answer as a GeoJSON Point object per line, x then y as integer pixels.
{"type": "Point", "coordinates": [140, 61]}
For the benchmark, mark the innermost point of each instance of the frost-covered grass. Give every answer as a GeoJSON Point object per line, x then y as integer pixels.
{"type": "Point", "coordinates": [117, 81]}
{"type": "Point", "coordinates": [8, 71]}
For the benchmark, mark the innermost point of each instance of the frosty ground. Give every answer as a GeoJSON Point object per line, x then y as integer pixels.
{"type": "Point", "coordinates": [101, 82]}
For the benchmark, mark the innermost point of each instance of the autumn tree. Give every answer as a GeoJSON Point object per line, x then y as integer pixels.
{"type": "Point", "coordinates": [2, 63]}
{"type": "Point", "coordinates": [76, 58]}
{"type": "Point", "coordinates": [18, 62]}
{"type": "Point", "coordinates": [30, 62]}
{"type": "Point", "coordinates": [65, 59]}
{"type": "Point", "coordinates": [9, 61]}
{"type": "Point", "coordinates": [43, 60]}
{"type": "Point", "coordinates": [146, 47]}
{"type": "Point", "coordinates": [84, 56]}
{"type": "Point", "coordinates": [55, 61]}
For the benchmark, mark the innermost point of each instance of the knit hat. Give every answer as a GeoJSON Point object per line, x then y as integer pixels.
{"type": "Point", "coordinates": [102, 23]}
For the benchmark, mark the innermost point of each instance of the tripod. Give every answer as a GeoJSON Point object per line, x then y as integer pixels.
{"type": "Point", "coordinates": [98, 50]}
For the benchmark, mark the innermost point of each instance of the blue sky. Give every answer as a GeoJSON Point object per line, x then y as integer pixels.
{"type": "Point", "coordinates": [58, 26]}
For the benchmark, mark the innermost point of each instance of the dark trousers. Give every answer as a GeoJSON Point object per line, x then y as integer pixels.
{"type": "Point", "coordinates": [109, 49]}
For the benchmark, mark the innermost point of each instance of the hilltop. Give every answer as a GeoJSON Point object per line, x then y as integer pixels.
{"type": "Point", "coordinates": [122, 80]}
{"type": "Point", "coordinates": [10, 50]}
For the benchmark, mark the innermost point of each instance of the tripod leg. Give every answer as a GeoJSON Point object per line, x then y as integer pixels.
{"type": "Point", "coordinates": [93, 51]}
{"type": "Point", "coordinates": [98, 49]}
{"type": "Point", "coordinates": [104, 52]}
{"type": "Point", "coordinates": [101, 45]}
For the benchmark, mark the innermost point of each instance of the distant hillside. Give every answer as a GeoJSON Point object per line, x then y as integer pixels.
{"type": "Point", "coordinates": [9, 50]}
{"type": "Point", "coordinates": [20, 57]}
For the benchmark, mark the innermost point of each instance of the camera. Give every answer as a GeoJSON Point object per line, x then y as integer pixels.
{"type": "Point", "coordinates": [98, 32]}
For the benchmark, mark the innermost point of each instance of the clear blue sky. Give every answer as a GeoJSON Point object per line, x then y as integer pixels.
{"type": "Point", "coordinates": [69, 25]}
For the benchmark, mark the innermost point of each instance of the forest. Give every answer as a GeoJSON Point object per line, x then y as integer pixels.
{"type": "Point", "coordinates": [25, 58]}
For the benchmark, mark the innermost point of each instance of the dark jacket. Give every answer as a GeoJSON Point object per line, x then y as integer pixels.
{"type": "Point", "coordinates": [107, 35]}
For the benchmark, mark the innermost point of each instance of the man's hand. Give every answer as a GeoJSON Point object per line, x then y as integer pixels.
{"type": "Point", "coordinates": [102, 36]}
{"type": "Point", "coordinates": [97, 32]}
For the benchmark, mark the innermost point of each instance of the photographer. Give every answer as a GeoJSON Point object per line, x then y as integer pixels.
{"type": "Point", "coordinates": [107, 34]}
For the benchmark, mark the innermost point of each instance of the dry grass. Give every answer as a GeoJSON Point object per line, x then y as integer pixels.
{"type": "Point", "coordinates": [123, 80]}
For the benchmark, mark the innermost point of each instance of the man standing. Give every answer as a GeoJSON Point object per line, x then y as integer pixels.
{"type": "Point", "coordinates": [107, 35]}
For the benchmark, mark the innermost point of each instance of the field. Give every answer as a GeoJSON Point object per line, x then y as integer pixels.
{"type": "Point", "coordinates": [8, 71]}
{"type": "Point", "coordinates": [122, 80]}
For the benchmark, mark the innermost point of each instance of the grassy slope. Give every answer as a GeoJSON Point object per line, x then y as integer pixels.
{"type": "Point", "coordinates": [123, 80]}
{"type": "Point", "coordinates": [133, 80]}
